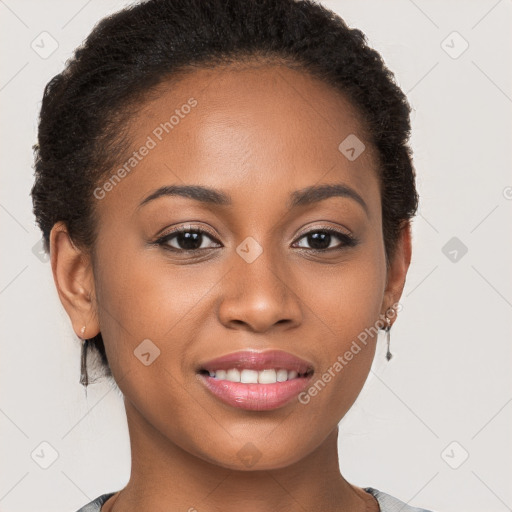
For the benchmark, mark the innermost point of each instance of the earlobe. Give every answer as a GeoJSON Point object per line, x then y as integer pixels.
{"type": "Point", "coordinates": [74, 280]}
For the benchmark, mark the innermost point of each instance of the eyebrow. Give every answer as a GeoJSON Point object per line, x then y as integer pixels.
{"type": "Point", "coordinates": [305, 196]}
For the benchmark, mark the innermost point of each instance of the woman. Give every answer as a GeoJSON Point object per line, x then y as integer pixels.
{"type": "Point", "coordinates": [225, 189]}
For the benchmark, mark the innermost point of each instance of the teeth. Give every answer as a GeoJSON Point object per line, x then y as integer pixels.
{"type": "Point", "coordinates": [268, 376]}
{"type": "Point", "coordinates": [233, 375]}
{"type": "Point", "coordinates": [249, 376]}
{"type": "Point", "coordinates": [282, 375]}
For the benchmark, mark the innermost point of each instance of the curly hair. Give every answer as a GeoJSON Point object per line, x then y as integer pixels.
{"type": "Point", "coordinates": [128, 54]}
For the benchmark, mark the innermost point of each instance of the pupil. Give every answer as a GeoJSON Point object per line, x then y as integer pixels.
{"type": "Point", "coordinates": [189, 240]}
{"type": "Point", "coordinates": [317, 240]}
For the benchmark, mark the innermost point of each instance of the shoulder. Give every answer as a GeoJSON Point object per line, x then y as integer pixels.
{"type": "Point", "coordinates": [388, 503]}
{"type": "Point", "coordinates": [95, 505]}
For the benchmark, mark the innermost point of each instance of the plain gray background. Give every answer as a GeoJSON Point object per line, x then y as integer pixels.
{"type": "Point", "coordinates": [431, 427]}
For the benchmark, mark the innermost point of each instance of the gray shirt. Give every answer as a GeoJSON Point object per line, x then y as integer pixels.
{"type": "Point", "coordinates": [387, 503]}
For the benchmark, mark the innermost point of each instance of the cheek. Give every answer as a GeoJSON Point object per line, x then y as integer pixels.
{"type": "Point", "coordinates": [347, 298]}
{"type": "Point", "coordinates": [345, 305]}
{"type": "Point", "coordinates": [142, 296]}
{"type": "Point", "coordinates": [144, 340]}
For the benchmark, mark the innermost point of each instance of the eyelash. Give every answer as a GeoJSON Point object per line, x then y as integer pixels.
{"type": "Point", "coordinates": [346, 239]}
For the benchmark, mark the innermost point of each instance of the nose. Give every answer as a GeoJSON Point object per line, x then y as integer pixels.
{"type": "Point", "coordinates": [260, 296]}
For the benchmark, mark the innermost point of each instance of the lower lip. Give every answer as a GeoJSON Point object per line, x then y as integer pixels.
{"type": "Point", "coordinates": [255, 397]}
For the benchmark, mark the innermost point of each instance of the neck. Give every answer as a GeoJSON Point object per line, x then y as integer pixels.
{"type": "Point", "coordinates": [165, 476]}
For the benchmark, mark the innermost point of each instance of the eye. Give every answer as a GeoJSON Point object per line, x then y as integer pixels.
{"type": "Point", "coordinates": [193, 239]}
{"type": "Point", "coordinates": [186, 239]}
{"type": "Point", "coordinates": [321, 239]}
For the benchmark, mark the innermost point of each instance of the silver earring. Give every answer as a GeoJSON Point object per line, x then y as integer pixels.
{"type": "Point", "coordinates": [388, 337]}
{"type": "Point", "coordinates": [84, 377]}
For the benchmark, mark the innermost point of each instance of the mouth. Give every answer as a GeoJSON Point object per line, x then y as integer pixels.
{"type": "Point", "coordinates": [276, 360]}
{"type": "Point", "coordinates": [256, 381]}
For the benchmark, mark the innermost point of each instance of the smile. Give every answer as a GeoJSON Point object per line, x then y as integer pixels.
{"type": "Point", "coordinates": [255, 381]}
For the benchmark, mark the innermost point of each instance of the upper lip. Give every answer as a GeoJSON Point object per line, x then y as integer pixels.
{"type": "Point", "coordinates": [254, 360]}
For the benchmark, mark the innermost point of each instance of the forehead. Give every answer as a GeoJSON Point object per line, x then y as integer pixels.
{"type": "Point", "coordinates": [250, 130]}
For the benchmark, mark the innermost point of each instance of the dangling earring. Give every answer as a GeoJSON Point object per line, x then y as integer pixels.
{"type": "Point", "coordinates": [388, 337]}
{"type": "Point", "coordinates": [84, 378]}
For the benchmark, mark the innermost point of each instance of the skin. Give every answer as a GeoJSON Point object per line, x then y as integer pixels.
{"type": "Point", "coordinates": [257, 133]}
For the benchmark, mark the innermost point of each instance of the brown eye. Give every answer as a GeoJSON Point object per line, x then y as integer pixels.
{"type": "Point", "coordinates": [322, 239]}
{"type": "Point", "coordinates": [186, 239]}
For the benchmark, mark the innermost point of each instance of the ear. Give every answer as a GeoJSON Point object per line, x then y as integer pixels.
{"type": "Point", "coordinates": [74, 280]}
{"type": "Point", "coordinates": [397, 271]}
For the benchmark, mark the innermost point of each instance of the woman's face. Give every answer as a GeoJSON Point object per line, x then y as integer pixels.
{"type": "Point", "coordinates": [252, 280]}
